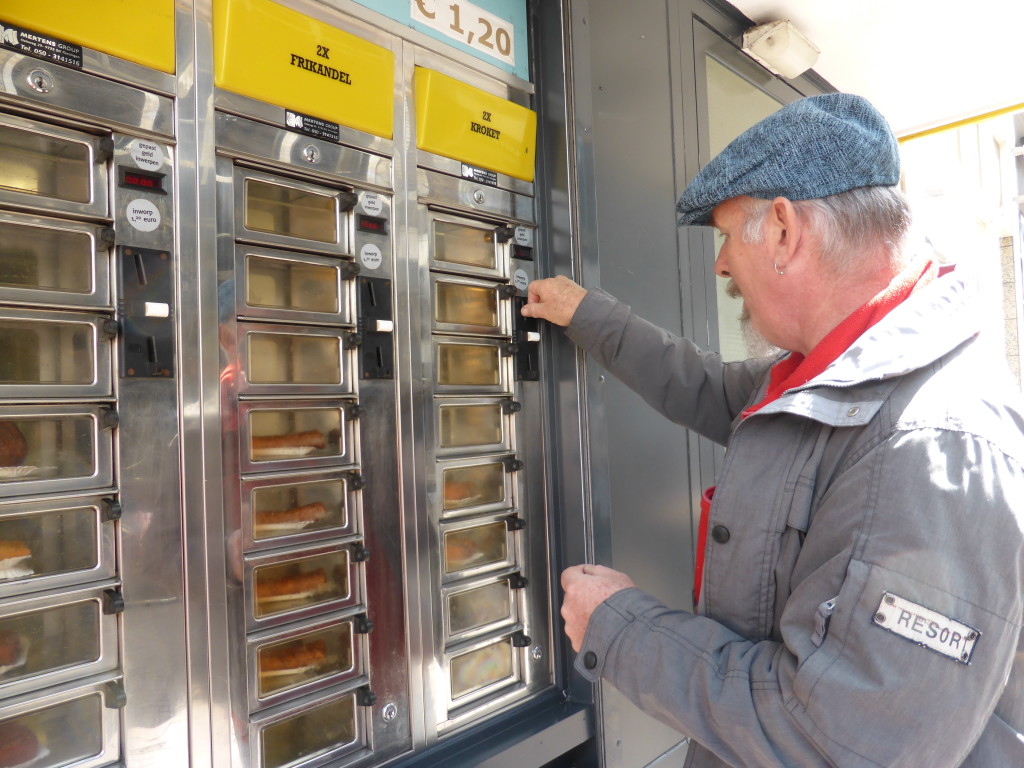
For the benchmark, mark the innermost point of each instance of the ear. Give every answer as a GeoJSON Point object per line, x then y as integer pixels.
{"type": "Point", "coordinates": [786, 229]}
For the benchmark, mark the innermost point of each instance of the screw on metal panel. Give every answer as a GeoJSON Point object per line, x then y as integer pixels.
{"type": "Point", "coordinates": [965, 656]}
{"type": "Point", "coordinates": [40, 81]}
{"type": "Point", "coordinates": [879, 617]}
{"type": "Point", "coordinates": [890, 600]}
{"type": "Point", "coordinates": [536, 653]}
{"type": "Point", "coordinates": [479, 197]}
{"type": "Point", "coordinates": [311, 153]}
{"type": "Point", "coordinates": [389, 712]}
{"type": "Point", "coordinates": [972, 635]}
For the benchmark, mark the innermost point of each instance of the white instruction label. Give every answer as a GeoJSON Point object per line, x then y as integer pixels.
{"type": "Point", "coordinates": [521, 280]}
{"type": "Point", "coordinates": [371, 256]}
{"type": "Point", "coordinates": [524, 236]}
{"type": "Point", "coordinates": [147, 155]}
{"type": "Point", "coordinates": [371, 204]}
{"type": "Point", "coordinates": [143, 215]}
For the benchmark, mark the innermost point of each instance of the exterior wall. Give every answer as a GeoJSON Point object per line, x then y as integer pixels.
{"type": "Point", "coordinates": [963, 187]}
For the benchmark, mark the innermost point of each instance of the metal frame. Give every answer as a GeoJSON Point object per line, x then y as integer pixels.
{"type": "Point", "coordinates": [100, 297]}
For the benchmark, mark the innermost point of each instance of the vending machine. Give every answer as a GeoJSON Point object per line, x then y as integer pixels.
{"type": "Point", "coordinates": [276, 458]}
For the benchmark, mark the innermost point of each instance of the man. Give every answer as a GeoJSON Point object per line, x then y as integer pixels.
{"type": "Point", "coordinates": [859, 597]}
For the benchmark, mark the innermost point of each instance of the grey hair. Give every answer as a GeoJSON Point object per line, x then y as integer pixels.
{"type": "Point", "coordinates": [849, 226]}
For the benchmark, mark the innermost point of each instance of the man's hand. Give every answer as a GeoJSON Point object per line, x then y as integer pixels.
{"type": "Point", "coordinates": [586, 587]}
{"type": "Point", "coordinates": [554, 299]}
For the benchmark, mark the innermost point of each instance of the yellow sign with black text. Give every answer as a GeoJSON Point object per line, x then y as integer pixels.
{"type": "Point", "coordinates": [136, 30]}
{"type": "Point", "coordinates": [272, 53]}
{"type": "Point", "coordinates": [464, 123]}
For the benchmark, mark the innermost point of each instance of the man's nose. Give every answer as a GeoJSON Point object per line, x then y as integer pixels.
{"type": "Point", "coordinates": [721, 266]}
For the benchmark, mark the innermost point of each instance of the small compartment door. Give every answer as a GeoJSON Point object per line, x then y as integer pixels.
{"type": "Point", "coordinates": [293, 287]}
{"type": "Point", "coordinates": [464, 305]}
{"type": "Point", "coordinates": [51, 262]}
{"type": "Point", "coordinates": [280, 211]}
{"type": "Point", "coordinates": [51, 168]}
{"type": "Point", "coordinates": [50, 355]}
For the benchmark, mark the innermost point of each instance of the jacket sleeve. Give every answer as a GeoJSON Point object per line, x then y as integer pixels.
{"type": "Point", "coordinates": [682, 382]}
{"type": "Point", "coordinates": [874, 666]}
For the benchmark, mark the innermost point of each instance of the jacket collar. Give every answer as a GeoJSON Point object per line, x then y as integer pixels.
{"type": "Point", "coordinates": [931, 323]}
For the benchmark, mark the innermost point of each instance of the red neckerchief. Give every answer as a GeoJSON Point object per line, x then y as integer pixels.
{"type": "Point", "coordinates": [796, 370]}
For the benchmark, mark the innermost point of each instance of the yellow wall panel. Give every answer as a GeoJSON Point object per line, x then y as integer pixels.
{"type": "Point", "coordinates": [274, 54]}
{"type": "Point", "coordinates": [462, 122]}
{"type": "Point", "coordinates": [137, 30]}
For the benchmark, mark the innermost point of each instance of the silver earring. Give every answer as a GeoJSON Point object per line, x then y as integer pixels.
{"type": "Point", "coordinates": [777, 270]}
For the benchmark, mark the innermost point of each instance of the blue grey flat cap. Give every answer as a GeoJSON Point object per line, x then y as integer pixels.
{"type": "Point", "coordinates": [811, 148]}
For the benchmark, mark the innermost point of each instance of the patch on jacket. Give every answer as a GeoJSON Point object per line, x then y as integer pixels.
{"type": "Point", "coordinates": [927, 627]}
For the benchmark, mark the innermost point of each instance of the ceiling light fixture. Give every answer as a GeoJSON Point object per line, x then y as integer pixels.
{"type": "Point", "coordinates": [781, 48]}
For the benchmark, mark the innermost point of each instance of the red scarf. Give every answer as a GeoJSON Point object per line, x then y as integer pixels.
{"type": "Point", "coordinates": [796, 370]}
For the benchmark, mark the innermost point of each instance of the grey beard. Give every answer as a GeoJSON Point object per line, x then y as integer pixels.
{"type": "Point", "coordinates": [757, 345]}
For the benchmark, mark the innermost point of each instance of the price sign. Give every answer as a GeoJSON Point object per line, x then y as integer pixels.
{"type": "Point", "coordinates": [469, 24]}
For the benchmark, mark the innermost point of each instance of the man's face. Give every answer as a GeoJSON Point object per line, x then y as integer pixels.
{"type": "Point", "coordinates": [748, 267]}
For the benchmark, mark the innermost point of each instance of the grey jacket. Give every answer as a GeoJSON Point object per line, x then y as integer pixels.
{"type": "Point", "coordinates": [862, 598]}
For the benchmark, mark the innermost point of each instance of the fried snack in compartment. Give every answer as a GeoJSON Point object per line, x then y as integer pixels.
{"type": "Point", "coordinates": [13, 446]}
{"type": "Point", "coordinates": [293, 659]}
{"type": "Point", "coordinates": [13, 650]}
{"type": "Point", "coordinates": [293, 445]}
{"type": "Point", "coordinates": [13, 555]}
{"type": "Point", "coordinates": [18, 744]}
{"type": "Point", "coordinates": [456, 492]}
{"type": "Point", "coordinates": [288, 520]}
{"type": "Point", "coordinates": [297, 587]}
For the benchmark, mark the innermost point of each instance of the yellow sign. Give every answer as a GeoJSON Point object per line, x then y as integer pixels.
{"type": "Point", "coordinates": [459, 121]}
{"type": "Point", "coordinates": [277, 55]}
{"type": "Point", "coordinates": [137, 30]}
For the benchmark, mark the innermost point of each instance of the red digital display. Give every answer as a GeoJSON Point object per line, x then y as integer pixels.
{"type": "Point", "coordinates": [372, 224]}
{"type": "Point", "coordinates": [137, 180]}
{"type": "Point", "coordinates": [150, 182]}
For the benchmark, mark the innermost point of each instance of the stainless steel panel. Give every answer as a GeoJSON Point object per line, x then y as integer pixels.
{"type": "Point", "coordinates": [465, 306]}
{"type": "Point", "coordinates": [457, 168]}
{"type": "Point", "coordinates": [295, 360]}
{"type": "Point", "coordinates": [293, 287]}
{"type": "Point", "coordinates": [31, 659]}
{"type": "Point", "coordinates": [478, 366]}
{"type": "Point", "coordinates": [301, 583]}
{"type": "Point", "coordinates": [247, 140]}
{"type": "Point", "coordinates": [297, 508]}
{"type": "Point", "coordinates": [51, 355]}
{"type": "Point", "coordinates": [472, 425]}
{"type": "Point", "coordinates": [69, 92]}
{"type": "Point", "coordinates": [54, 262]}
{"type": "Point", "coordinates": [303, 659]}
{"type": "Point", "coordinates": [75, 724]}
{"type": "Point", "coordinates": [49, 449]}
{"type": "Point", "coordinates": [312, 732]}
{"type": "Point", "coordinates": [437, 189]}
{"type": "Point", "coordinates": [273, 115]}
{"type": "Point", "coordinates": [295, 434]}
{"type": "Point", "coordinates": [280, 211]}
{"type": "Point", "coordinates": [54, 543]}
{"type": "Point", "coordinates": [52, 168]}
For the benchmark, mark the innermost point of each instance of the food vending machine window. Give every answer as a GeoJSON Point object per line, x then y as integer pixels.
{"type": "Point", "coordinates": [88, 411]}
{"type": "Point", "coordinates": [302, 412]}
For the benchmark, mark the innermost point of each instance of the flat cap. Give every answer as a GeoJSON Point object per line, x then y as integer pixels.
{"type": "Point", "coordinates": [811, 148]}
